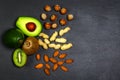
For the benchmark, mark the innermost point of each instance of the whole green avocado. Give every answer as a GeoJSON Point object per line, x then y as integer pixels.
{"type": "Point", "coordinates": [13, 38]}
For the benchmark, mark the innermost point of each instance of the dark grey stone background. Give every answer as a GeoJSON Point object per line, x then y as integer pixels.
{"type": "Point", "coordinates": [95, 35]}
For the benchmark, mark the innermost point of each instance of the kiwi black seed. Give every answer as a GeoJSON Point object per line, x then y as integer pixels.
{"type": "Point", "coordinates": [30, 45]}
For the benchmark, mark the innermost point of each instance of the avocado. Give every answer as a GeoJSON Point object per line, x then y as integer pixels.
{"type": "Point", "coordinates": [29, 25]}
{"type": "Point", "coordinates": [13, 38]}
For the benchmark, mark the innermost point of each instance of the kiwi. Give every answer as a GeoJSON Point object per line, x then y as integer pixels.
{"type": "Point", "coordinates": [19, 58]}
{"type": "Point", "coordinates": [30, 45]}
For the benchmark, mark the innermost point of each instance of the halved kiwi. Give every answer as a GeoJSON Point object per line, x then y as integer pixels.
{"type": "Point", "coordinates": [30, 45]}
{"type": "Point", "coordinates": [19, 57]}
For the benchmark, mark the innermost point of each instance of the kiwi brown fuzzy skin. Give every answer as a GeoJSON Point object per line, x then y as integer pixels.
{"type": "Point", "coordinates": [30, 45]}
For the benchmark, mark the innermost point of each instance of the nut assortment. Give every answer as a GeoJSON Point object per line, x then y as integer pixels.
{"type": "Point", "coordinates": [54, 18]}
{"type": "Point", "coordinates": [58, 60]}
{"type": "Point", "coordinates": [55, 41]}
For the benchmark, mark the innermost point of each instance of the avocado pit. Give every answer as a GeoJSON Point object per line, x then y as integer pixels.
{"type": "Point", "coordinates": [31, 26]}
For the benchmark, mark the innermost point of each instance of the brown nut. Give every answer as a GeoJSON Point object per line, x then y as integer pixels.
{"type": "Point", "coordinates": [56, 53]}
{"type": "Point", "coordinates": [64, 68]}
{"type": "Point", "coordinates": [53, 60]}
{"type": "Point", "coordinates": [47, 8]}
{"type": "Point", "coordinates": [54, 25]}
{"type": "Point", "coordinates": [63, 22]}
{"type": "Point", "coordinates": [46, 58]}
{"type": "Point", "coordinates": [57, 7]}
{"type": "Point", "coordinates": [69, 61]}
{"type": "Point", "coordinates": [60, 62]}
{"type": "Point", "coordinates": [47, 71]}
{"type": "Point", "coordinates": [63, 55]}
{"type": "Point", "coordinates": [53, 17]}
{"type": "Point", "coordinates": [47, 25]}
{"type": "Point", "coordinates": [38, 57]}
{"type": "Point", "coordinates": [63, 11]}
{"type": "Point", "coordinates": [70, 17]}
{"type": "Point", "coordinates": [43, 16]}
{"type": "Point", "coordinates": [47, 66]}
{"type": "Point", "coordinates": [55, 67]}
{"type": "Point", "coordinates": [39, 66]}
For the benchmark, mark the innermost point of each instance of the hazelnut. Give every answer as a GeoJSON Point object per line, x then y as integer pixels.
{"type": "Point", "coordinates": [57, 7]}
{"type": "Point", "coordinates": [62, 22]}
{"type": "Point", "coordinates": [54, 25]}
{"type": "Point", "coordinates": [70, 17]}
{"type": "Point", "coordinates": [53, 17]}
{"type": "Point", "coordinates": [63, 11]}
{"type": "Point", "coordinates": [47, 8]}
{"type": "Point", "coordinates": [47, 25]}
{"type": "Point", "coordinates": [43, 16]}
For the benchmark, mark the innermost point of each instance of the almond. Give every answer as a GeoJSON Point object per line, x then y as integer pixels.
{"type": "Point", "coordinates": [47, 71]}
{"type": "Point", "coordinates": [56, 53]}
{"type": "Point", "coordinates": [64, 68]}
{"type": "Point", "coordinates": [53, 60]}
{"type": "Point", "coordinates": [63, 55]}
{"type": "Point", "coordinates": [38, 57]}
{"type": "Point", "coordinates": [47, 66]}
{"type": "Point", "coordinates": [55, 67]}
{"type": "Point", "coordinates": [69, 61]}
{"type": "Point", "coordinates": [46, 58]}
{"type": "Point", "coordinates": [39, 66]}
{"type": "Point", "coordinates": [60, 63]}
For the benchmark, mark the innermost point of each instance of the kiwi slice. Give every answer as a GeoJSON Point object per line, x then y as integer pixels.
{"type": "Point", "coordinates": [19, 57]}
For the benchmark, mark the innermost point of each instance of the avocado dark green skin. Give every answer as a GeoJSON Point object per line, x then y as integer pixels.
{"type": "Point", "coordinates": [13, 38]}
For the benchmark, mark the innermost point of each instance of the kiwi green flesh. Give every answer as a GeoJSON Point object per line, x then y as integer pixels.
{"type": "Point", "coordinates": [19, 58]}
{"type": "Point", "coordinates": [30, 45]}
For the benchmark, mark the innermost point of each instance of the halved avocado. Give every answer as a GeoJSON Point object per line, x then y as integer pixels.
{"type": "Point", "coordinates": [29, 25]}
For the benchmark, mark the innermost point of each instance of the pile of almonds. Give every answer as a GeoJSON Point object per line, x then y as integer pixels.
{"type": "Point", "coordinates": [58, 60]}
{"type": "Point", "coordinates": [53, 18]}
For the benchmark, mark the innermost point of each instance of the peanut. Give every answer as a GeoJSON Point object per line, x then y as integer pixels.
{"type": "Point", "coordinates": [66, 46]}
{"type": "Point", "coordinates": [54, 35]}
{"type": "Point", "coordinates": [52, 45]}
{"type": "Point", "coordinates": [57, 46]}
{"type": "Point", "coordinates": [63, 31]}
{"type": "Point", "coordinates": [46, 41]}
{"type": "Point", "coordinates": [61, 40]}
{"type": "Point", "coordinates": [44, 35]}
{"type": "Point", "coordinates": [41, 43]}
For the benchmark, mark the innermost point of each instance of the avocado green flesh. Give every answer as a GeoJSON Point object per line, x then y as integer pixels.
{"type": "Point", "coordinates": [13, 38]}
{"type": "Point", "coordinates": [19, 58]}
{"type": "Point", "coordinates": [21, 24]}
